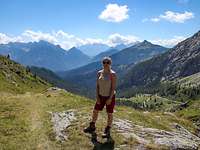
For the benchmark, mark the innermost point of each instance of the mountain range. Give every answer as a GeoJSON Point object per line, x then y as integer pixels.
{"type": "Point", "coordinates": [143, 67]}
{"type": "Point", "coordinates": [44, 54]}
{"type": "Point", "coordinates": [55, 58]}
{"type": "Point", "coordinates": [121, 62]}
{"type": "Point", "coordinates": [93, 49]}
{"type": "Point", "coordinates": [180, 61]}
{"type": "Point", "coordinates": [136, 53]}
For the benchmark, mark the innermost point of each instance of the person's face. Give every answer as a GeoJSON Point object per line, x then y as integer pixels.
{"type": "Point", "coordinates": [106, 63]}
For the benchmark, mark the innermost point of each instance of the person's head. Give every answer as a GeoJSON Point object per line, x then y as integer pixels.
{"type": "Point", "coordinates": [106, 61]}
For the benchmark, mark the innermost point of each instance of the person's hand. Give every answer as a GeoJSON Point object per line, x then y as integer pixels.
{"type": "Point", "coordinates": [98, 100]}
{"type": "Point", "coordinates": [108, 102]}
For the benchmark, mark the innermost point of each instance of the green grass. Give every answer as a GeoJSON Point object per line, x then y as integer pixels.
{"type": "Point", "coordinates": [157, 120]}
{"type": "Point", "coordinates": [192, 112]}
{"type": "Point", "coordinates": [14, 126]}
{"type": "Point", "coordinates": [26, 121]}
{"type": "Point", "coordinates": [192, 80]}
{"type": "Point", "coordinates": [148, 102]}
{"type": "Point", "coordinates": [15, 78]}
{"type": "Point", "coordinates": [21, 86]}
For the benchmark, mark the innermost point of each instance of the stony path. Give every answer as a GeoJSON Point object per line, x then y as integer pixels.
{"type": "Point", "coordinates": [178, 138]}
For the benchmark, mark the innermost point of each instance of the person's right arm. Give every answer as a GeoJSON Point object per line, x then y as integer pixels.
{"type": "Point", "coordinates": [97, 89]}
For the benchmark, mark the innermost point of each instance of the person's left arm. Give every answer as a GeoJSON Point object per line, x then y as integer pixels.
{"type": "Point", "coordinates": [113, 86]}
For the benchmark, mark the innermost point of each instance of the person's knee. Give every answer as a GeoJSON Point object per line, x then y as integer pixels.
{"type": "Point", "coordinates": [95, 111]}
{"type": "Point", "coordinates": [109, 114]}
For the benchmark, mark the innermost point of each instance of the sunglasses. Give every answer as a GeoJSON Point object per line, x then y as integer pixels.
{"type": "Point", "coordinates": [106, 62]}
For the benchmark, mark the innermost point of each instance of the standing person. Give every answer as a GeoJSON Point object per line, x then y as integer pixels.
{"type": "Point", "coordinates": [105, 95]}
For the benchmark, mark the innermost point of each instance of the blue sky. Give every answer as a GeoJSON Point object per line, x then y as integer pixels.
{"type": "Point", "coordinates": [77, 22]}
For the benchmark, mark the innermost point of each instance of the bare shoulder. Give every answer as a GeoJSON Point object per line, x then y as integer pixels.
{"type": "Point", "coordinates": [99, 72]}
{"type": "Point", "coordinates": [113, 73]}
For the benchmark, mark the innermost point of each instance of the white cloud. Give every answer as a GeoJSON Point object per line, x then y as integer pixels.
{"type": "Point", "coordinates": [66, 40]}
{"type": "Point", "coordinates": [177, 17]}
{"type": "Point", "coordinates": [62, 34]}
{"type": "Point", "coordinates": [116, 39]}
{"type": "Point", "coordinates": [37, 36]}
{"type": "Point", "coordinates": [169, 42]}
{"type": "Point", "coordinates": [92, 41]}
{"type": "Point", "coordinates": [173, 17]}
{"type": "Point", "coordinates": [151, 19]}
{"type": "Point", "coordinates": [155, 19]}
{"type": "Point", "coordinates": [114, 13]}
{"type": "Point", "coordinates": [4, 39]}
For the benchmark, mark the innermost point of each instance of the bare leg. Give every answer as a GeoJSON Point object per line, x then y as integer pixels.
{"type": "Point", "coordinates": [95, 115]}
{"type": "Point", "coordinates": [110, 119]}
{"type": "Point", "coordinates": [91, 128]}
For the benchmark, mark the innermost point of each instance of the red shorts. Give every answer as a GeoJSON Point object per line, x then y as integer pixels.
{"type": "Point", "coordinates": [109, 108]}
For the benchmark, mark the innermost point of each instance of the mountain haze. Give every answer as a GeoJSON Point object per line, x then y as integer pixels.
{"type": "Point", "coordinates": [180, 61]}
{"type": "Point", "coordinates": [44, 54]}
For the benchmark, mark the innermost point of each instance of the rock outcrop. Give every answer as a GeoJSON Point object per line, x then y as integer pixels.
{"type": "Point", "coordinates": [178, 138]}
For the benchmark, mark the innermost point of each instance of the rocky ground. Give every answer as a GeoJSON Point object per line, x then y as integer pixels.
{"type": "Point", "coordinates": [178, 138]}
{"type": "Point", "coordinates": [55, 119]}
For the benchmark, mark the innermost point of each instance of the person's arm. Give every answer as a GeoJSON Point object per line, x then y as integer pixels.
{"type": "Point", "coordinates": [97, 88]}
{"type": "Point", "coordinates": [113, 86]}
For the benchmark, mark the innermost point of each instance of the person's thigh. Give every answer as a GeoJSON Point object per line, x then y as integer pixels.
{"type": "Point", "coordinates": [110, 108]}
{"type": "Point", "coordinates": [101, 105]}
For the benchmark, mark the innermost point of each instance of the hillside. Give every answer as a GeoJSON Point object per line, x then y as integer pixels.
{"type": "Point", "coordinates": [50, 77]}
{"type": "Point", "coordinates": [182, 89]}
{"type": "Point", "coordinates": [173, 64]}
{"type": "Point", "coordinates": [15, 78]}
{"type": "Point", "coordinates": [137, 53]}
{"type": "Point", "coordinates": [36, 116]}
